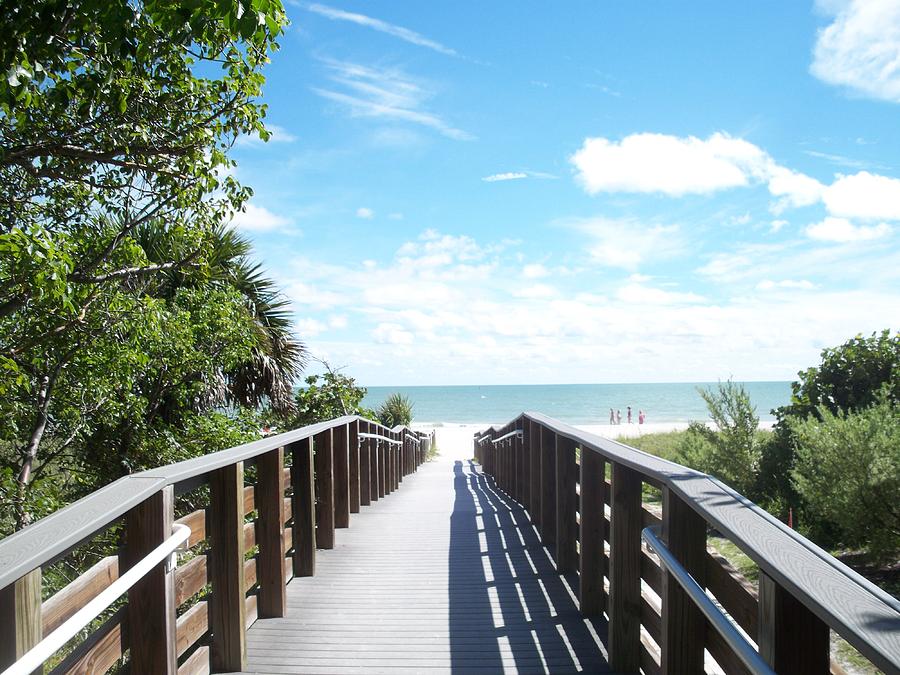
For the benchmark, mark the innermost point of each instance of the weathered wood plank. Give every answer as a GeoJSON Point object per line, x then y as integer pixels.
{"type": "Point", "coordinates": [226, 569]}
{"type": "Point", "coordinates": [365, 467]}
{"type": "Point", "coordinates": [151, 601]}
{"type": "Point", "coordinates": [324, 489]}
{"type": "Point", "coordinates": [353, 443]}
{"type": "Point", "coordinates": [566, 505]}
{"type": "Point", "coordinates": [304, 526]}
{"type": "Point", "coordinates": [784, 624]}
{"type": "Point", "coordinates": [20, 617]}
{"type": "Point", "coordinates": [548, 487]}
{"type": "Point", "coordinates": [191, 626]}
{"type": "Point", "coordinates": [77, 594]}
{"type": "Point", "coordinates": [683, 624]}
{"type": "Point", "coordinates": [190, 578]}
{"type": "Point", "coordinates": [270, 533]}
{"type": "Point", "coordinates": [340, 448]}
{"type": "Point", "coordinates": [195, 520]}
{"type": "Point", "coordinates": [625, 570]}
{"type": "Point", "coordinates": [197, 663]}
{"type": "Point", "coordinates": [592, 597]}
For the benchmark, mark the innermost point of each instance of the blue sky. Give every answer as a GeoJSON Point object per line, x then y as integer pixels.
{"type": "Point", "coordinates": [524, 192]}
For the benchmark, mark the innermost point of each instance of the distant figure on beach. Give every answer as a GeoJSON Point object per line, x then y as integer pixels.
{"type": "Point", "coordinates": [618, 417]}
{"type": "Point", "coordinates": [612, 416]}
{"type": "Point", "coordinates": [629, 414]}
{"type": "Point", "coordinates": [641, 416]}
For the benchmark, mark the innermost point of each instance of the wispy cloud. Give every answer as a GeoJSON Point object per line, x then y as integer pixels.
{"type": "Point", "coordinates": [388, 93]}
{"type": "Point", "coordinates": [404, 34]}
{"type": "Point", "coordinates": [515, 175]}
{"type": "Point", "coordinates": [860, 49]}
{"type": "Point", "coordinates": [509, 175]}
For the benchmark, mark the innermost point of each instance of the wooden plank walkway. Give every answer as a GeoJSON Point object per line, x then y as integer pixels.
{"type": "Point", "coordinates": [443, 576]}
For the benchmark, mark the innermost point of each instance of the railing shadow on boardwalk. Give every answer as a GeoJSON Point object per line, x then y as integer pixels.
{"type": "Point", "coordinates": [509, 608]}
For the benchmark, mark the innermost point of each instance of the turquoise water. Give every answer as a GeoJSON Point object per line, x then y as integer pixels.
{"type": "Point", "coordinates": [572, 403]}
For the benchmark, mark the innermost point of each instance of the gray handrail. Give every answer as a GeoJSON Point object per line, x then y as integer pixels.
{"type": "Point", "coordinates": [51, 537]}
{"type": "Point", "coordinates": [517, 432]}
{"type": "Point", "coordinates": [865, 615]}
{"type": "Point", "coordinates": [739, 645]}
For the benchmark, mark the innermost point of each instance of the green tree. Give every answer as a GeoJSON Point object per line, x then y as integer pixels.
{"type": "Point", "coordinates": [848, 472]}
{"type": "Point", "coordinates": [118, 318]}
{"type": "Point", "coordinates": [397, 410]}
{"type": "Point", "coordinates": [847, 380]}
{"type": "Point", "coordinates": [328, 396]}
{"type": "Point", "coordinates": [731, 451]}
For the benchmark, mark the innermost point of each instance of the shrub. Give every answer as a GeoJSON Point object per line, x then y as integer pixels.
{"type": "Point", "coordinates": [848, 472]}
{"type": "Point", "coordinates": [732, 450]}
{"type": "Point", "coordinates": [328, 396]}
{"type": "Point", "coordinates": [397, 409]}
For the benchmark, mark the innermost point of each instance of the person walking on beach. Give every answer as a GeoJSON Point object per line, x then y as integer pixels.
{"type": "Point", "coordinates": [612, 416]}
{"type": "Point", "coordinates": [640, 416]}
{"type": "Point", "coordinates": [629, 414]}
{"type": "Point", "coordinates": [618, 417]}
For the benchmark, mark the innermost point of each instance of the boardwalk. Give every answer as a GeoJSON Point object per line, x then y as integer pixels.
{"type": "Point", "coordinates": [437, 577]}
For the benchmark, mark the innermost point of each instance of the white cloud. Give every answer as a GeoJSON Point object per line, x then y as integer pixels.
{"type": "Point", "coordinates": [365, 213]}
{"type": "Point", "coordinates": [259, 219]}
{"type": "Point", "coordinates": [308, 328]}
{"type": "Point", "coordinates": [510, 175]}
{"type": "Point", "coordinates": [424, 316]}
{"type": "Point", "coordinates": [865, 196]}
{"type": "Point", "coordinates": [395, 216]}
{"type": "Point", "coordinates": [627, 243]}
{"type": "Point", "coordinates": [404, 34]}
{"type": "Point", "coordinates": [842, 230]}
{"type": "Point", "coordinates": [639, 294]}
{"type": "Point", "coordinates": [860, 49]}
{"type": "Point", "coordinates": [392, 333]}
{"type": "Point", "coordinates": [384, 93]}
{"type": "Point", "coordinates": [534, 271]}
{"type": "Point", "coordinates": [535, 291]}
{"type": "Point", "coordinates": [795, 189]}
{"type": "Point", "coordinates": [674, 166]}
{"type": "Point", "coordinates": [777, 225]}
{"type": "Point", "coordinates": [769, 285]}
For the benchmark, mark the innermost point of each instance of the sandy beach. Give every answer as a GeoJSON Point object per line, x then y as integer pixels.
{"type": "Point", "coordinates": [456, 439]}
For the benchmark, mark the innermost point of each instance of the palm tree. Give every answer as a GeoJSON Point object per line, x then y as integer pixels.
{"type": "Point", "coordinates": [278, 357]}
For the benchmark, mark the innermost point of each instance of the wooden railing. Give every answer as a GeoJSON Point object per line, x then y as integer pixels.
{"type": "Point", "coordinates": [584, 496]}
{"type": "Point", "coordinates": [244, 547]}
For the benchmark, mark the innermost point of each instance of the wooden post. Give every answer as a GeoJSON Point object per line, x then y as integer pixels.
{"type": "Point", "coordinates": [526, 463]}
{"type": "Point", "coordinates": [534, 501]}
{"type": "Point", "coordinates": [591, 596]}
{"type": "Point", "coordinates": [548, 486]}
{"type": "Point", "coordinates": [20, 618]}
{"type": "Point", "coordinates": [303, 508]}
{"type": "Point", "coordinates": [151, 601]}
{"type": "Point", "coordinates": [227, 610]}
{"type": "Point", "coordinates": [566, 505]}
{"type": "Point", "coordinates": [324, 489]}
{"type": "Point", "coordinates": [683, 624]}
{"type": "Point", "coordinates": [375, 468]}
{"type": "Point", "coordinates": [272, 599]}
{"type": "Point", "coordinates": [353, 442]}
{"type": "Point", "coordinates": [384, 449]}
{"type": "Point", "coordinates": [365, 467]}
{"type": "Point", "coordinates": [625, 570]}
{"type": "Point", "coordinates": [341, 458]}
{"type": "Point", "coordinates": [791, 638]}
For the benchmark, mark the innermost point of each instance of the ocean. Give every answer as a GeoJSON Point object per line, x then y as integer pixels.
{"type": "Point", "coordinates": [572, 403]}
